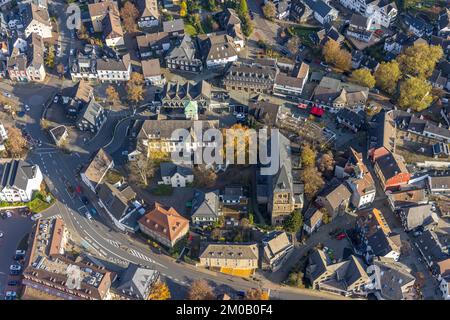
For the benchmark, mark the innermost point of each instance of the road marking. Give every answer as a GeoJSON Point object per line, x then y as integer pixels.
{"type": "Point", "coordinates": [140, 255]}
{"type": "Point", "coordinates": [114, 243]}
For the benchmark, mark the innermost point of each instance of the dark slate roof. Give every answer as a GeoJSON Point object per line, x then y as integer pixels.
{"type": "Point", "coordinates": [135, 282]}
{"type": "Point", "coordinates": [168, 169]}
{"type": "Point", "coordinates": [232, 193]}
{"type": "Point", "coordinates": [379, 243]}
{"type": "Point", "coordinates": [418, 23]}
{"type": "Point", "coordinates": [444, 19]}
{"type": "Point", "coordinates": [185, 51]}
{"type": "Point", "coordinates": [319, 6]}
{"type": "Point", "coordinates": [17, 173]}
{"type": "Point", "coordinates": [358, 20]}
{"type": "Point", "coordinates": [350, 116]}
{"type": "Point", "coordinates": [116, 200]}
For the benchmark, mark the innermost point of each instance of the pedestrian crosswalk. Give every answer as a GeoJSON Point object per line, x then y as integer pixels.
{"type": "Point", "coordinates": [114, 243]}
{"type": "Point", "coordinates": [139, 255]}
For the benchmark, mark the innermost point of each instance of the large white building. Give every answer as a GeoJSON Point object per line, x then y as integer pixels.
{"type": "Point", "coordinates": [19, 180]}
{"type": "Point", "coordinates": [37, 20]}
{"type": "Point", "coordinates": [382, 12]}
{"type": "Point", "coordinates": [102, 69]}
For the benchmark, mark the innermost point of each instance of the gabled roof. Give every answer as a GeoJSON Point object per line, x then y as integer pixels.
{"type": "Point", "coordinates": [419, 216]}
{"type": "Point", "coordinates": [312, 216]}
{"type": "Point", "coordinates": [84, 91]}
{"type": "Point", "coordinates": [338, 195]}
{"type": "Point", "coordinates": [91, 112]}
{"type": "Point", "coordinates": [17, 173]}
{"type": "Point", "coordinates": [230, 251]}
{"type": "Point", "coordinates": [167, 222]}
{"type": "Point", "coordinates": [205, 204]}
{"type": "Point", "coordinates": [217, 46]}
{"type": "Point", "coordinates": [102, 8]}
{"type": "Point", "coordinates": [278, 243]}
{"type": "Point", "coordinates": [112, 28]}
{"type": "Point", "coordinates": [148, 8]}
{"type": "Point", "coordinates": [395, 279]}
{"type": "Point", "coordinates": [168, 169]}
{"type": "Point", "coordinates": [185, 51]}
{"type": "Point", "coordinates": [135, 282]}
{"type": "Point", "coordinates": [319, 6]}
{"type": "Point", "coordinates": [98, 167]}
{"type": "Point", "coordinates": [33, 12]}
{"type": "Point", "coordinates": [35, 52]}
{"type": "Point", "coordinates": [173, 26]}
{"type": "Point", "coordinates": [114, 64]}
{"type": "Point", "coordinates": [151, 68]}
{"type": "Point", "coordinates": [164, 128]}
{"type": "Point", "coordinates": [115, 200]}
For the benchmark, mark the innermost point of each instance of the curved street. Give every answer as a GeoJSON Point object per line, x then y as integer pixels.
{"type": "Point", "coordinates": [109, 245]}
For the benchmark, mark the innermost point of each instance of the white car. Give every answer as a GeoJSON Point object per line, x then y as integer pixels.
{"type": "Point", "coordinates": [8, 214]}
{"type": "Point", "coordinates": [15, 267]}
{"type": "Point", "coordinates": [36, 216]}
{"type": "Point", "coordinates": [88, 215]}
{"type": "Point", "coordinates": [27, 107]}
{"type": "Point", "coordinates": [1, 234]}
{"type": "Point", "coordinates": [6, 94]}
{"type": "Point", "coordinates": [56, 99]}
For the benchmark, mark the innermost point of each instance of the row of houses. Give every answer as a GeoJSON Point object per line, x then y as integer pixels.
{"type": "Point", "coordinates": [264, 76]}
{"type": "Point", "coordinates": [46, 263]}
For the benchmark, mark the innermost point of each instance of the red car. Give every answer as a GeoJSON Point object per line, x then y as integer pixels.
{"type": "Point", "coordinates": [340, 236]}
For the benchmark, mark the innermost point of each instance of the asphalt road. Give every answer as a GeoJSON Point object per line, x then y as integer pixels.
{"type": "Point", "coordinates": [112, 246]}
{"type": "Point", "coordinates": [116, 247]}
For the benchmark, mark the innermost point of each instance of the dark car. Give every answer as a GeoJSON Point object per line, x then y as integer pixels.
{"type": "Point", "coordinates": [85, 200]}
{"type": "Point", "coordinates": [13, 283]}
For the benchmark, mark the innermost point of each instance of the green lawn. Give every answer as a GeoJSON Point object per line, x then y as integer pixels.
{"type": "Point", "coordinates": [304, 33]}
{"type": "Point", "coordinates": [162, 190]}
{"type": "Point", "coordinates": [190, 29]}
{"type": "Point", "coordinates": [37, 204]}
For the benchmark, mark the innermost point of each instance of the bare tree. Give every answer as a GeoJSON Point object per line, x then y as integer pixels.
{"type": "Point", "coordinates": [16, 143]}
{"type": "Point", "coordinates": [200, 290]}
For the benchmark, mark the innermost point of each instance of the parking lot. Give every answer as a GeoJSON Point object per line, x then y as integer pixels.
{"type": "Point", "coordinates": [15, 233]}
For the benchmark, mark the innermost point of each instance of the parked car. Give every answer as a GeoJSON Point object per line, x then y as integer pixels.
{"type": "Point", "coordinates": [26, 108]}
{"type": "Point", "coordinates": [8, 214]}
{"type": "Point", "coordinates": [13, 283]}
{"type": "Point", "coordinates": [55, 99]}
{"type": "Point", "coordinates": [93, 211]}
{"type": "Point", "coordinates": [36, 216]}
{"type": "Point", "coordinates": [85, 200]}
{"type": "Point", "coordinates": [1, 234]}
{"type": "Point", "coordinates": [88, 215]}
{"type": "Point", "coordinates": [341, 236]}
{"type": "Point", "coordinates": [15, 267]}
